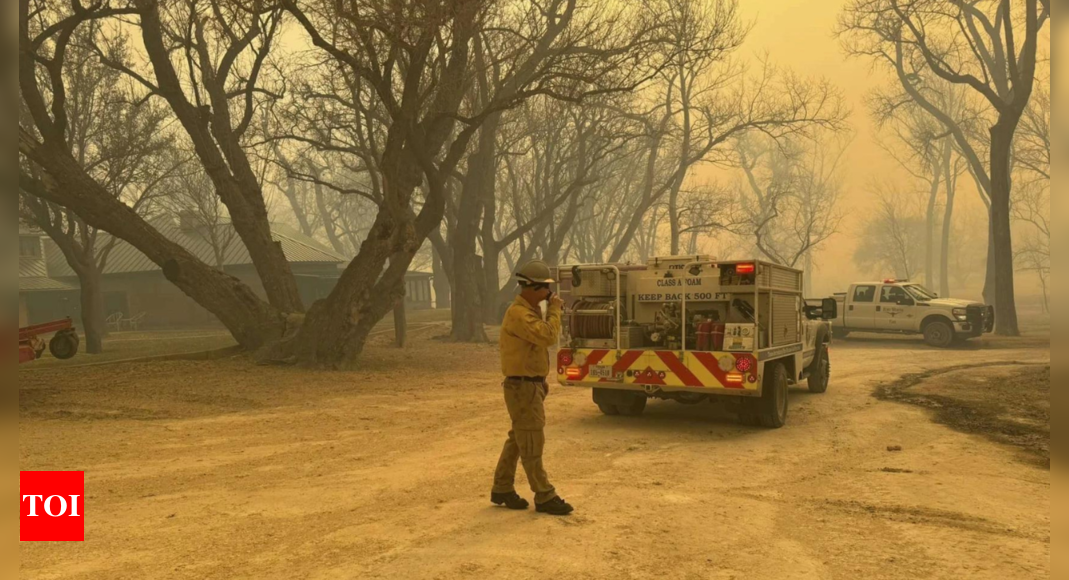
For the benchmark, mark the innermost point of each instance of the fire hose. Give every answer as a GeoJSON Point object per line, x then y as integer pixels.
{"type": "Point", "coordinates": [592, 319]}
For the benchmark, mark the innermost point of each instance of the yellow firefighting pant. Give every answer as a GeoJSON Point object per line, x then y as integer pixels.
{"type": "Point", "coordinates": [526, 441]}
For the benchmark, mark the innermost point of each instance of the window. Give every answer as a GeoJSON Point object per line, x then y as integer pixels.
{"type": "Point", "coordinates": [864, 293]}
{"type": "Point", "coordinates": [29, 247]}
{"type": "Point", "coordinates": [892, 295]}
{"type": "Point", "coordinates": [921, 293]}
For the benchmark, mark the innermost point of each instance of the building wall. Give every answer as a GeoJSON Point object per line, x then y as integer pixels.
{"type": "Point", "coordinates": [47, 306]}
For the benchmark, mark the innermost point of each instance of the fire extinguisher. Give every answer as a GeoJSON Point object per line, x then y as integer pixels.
{"type": "Point", "coordinates": [705, 331]}
{"type": "Point", "coordinates": [718, 331]}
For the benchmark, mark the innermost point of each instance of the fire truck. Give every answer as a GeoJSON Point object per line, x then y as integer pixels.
{"type": "Point", "coordinates": [691, 328]}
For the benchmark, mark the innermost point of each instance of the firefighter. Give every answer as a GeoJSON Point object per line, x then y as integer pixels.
{"type": "Point", "coordinates": [525, 341]}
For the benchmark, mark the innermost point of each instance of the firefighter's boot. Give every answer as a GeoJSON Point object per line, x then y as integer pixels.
{"type": "Point", "coordinates": [511, 500]}
{"type": "Point", "coordinates": [554, 507]}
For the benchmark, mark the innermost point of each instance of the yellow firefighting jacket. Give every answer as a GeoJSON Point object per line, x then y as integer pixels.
{"type": "Point", "coordinates": [526, 338]}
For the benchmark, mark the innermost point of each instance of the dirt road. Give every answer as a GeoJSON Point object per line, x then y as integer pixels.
{"type": "Point", "coordinates": [229, 470]}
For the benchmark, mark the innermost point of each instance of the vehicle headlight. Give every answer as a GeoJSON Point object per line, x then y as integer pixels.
{"type": "Point", "coordinates": [961, 314]}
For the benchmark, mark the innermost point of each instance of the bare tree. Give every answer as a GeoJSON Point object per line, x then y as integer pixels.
{"type": "Point", "coordinates": [565, 51]}
{"type": "Point", "coordinates": [609, 203]}
{"type": "Point", "coordinates": [191, 199]}
{"type": "Point", "coordinates": [216, 94]}
{"type": "Point", "coordinates": [51, 171]}
{"type": "Point", "coordinates": [416, 60]}
{"type": "Point", "coordinates": [1032, 150]}
{"type": "Point", "coordinates": [973, 44]}
{"type": "Point", "coordinates": [788, 196]}
{"type": "Point", "coordinates": [776, 104]}
{"type": "Point", "coordinates": [118, 140]}
{"type": "Point", "coordinates": [1032, 208]}
{"type": "Point", "coordinates": [554, 154]}
{"type": "Point", "coordinates": [891, 234]}
{"type": "Point", "coordinates": [927, 154]}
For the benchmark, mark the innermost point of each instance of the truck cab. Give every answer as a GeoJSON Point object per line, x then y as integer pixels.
{"type": "Point", "coordinates": [903, 307]}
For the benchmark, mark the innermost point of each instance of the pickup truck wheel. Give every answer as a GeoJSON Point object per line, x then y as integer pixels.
{"type": "Point", "coordinates": [771, 409]}
{"type": "Point", "coordinates": [939, 333]}
{"type": "Point", "coordinates": [820, 371]}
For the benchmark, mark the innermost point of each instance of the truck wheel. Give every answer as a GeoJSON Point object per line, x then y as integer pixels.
{"type": "Point", "coordinates": [608, 409]}
{"type": "Point", "coordinates": [634, 408]}
{"type": "Point", "coordinates": [63, 345]}
{"type": "Point", "coordinates": [606, 401]}
{"type": "Point", "coordinates": [939, 333]}
{"type": "Point", "coordinates": [771, 409]}
{"type": "Point", "coordinates": [820, 371]}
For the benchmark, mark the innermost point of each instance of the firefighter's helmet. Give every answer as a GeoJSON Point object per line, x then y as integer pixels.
{"type": "Point", "coordinates": [535, 272]}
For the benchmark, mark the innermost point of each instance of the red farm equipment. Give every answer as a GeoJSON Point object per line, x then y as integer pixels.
{"type": "Point", "coordinates": [64, 343]}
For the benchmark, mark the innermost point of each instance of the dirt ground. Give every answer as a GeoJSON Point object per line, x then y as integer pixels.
{"type": "Point", "coordinates": [223, 469]}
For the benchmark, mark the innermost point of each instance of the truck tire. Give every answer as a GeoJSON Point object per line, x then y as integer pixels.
{"type": "Point", "coordinates": [607, 409]}
{"type": "Point", "coordinates": [63, 345]}
{"type": "Point", "coordinates": [620, 402]}
{"type": "Point", "coordinates": [770, 410]}
{"type": "Point", "coordinates": [820, 370]}
{"type": "Point", "coordinates": [939, 333]}
{"type": "Point", "coordinates": [633, 408]}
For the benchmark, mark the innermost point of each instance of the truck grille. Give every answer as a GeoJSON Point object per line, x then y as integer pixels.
{"type": "Point", "coordinates": [975, 316]}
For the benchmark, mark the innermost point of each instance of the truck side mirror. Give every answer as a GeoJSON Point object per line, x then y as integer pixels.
{"type": "Point", "coordinates": [829, 309]}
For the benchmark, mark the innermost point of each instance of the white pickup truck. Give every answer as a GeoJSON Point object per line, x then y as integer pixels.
{"type": "Point", "coordinates": [901, 307]}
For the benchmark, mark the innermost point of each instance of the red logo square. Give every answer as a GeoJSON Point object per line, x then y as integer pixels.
{"type": "Point", "coordinates": [52, 506]}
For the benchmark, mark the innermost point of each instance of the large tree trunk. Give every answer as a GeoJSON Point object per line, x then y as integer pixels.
{"type": "Point", "coordinates": [468, 275]}
{"type": "Point", "coordinates": [467, 297]}
{"type": "Point", "coordinates": [336, 328]}
{"type": "Point", "coordinates": [1005, 301]}
{"type": "Point", "coordinates": [990, 271]}
{"type": "Point", "coordinates": [251, 321]}
{"type": "Point", "coordinates": [442, 285]}
{"type": "Point", "coordinates": [92, 301]}
{"type": "Point", "coordinates": [491, 284]}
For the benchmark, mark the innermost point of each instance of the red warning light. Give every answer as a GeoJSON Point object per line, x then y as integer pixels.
{"type": "Point", "coordinates": [745, 268]}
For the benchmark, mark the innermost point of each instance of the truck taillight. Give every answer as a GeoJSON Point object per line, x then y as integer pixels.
{"type": "Point", "coordinates": [564, 357]}
{"type": "Point", "coordinates": [574, 373]}
{"type": "Point", "coordinates": [745, 268]}
{"type": "Point", "coordinates": [744, 364]}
